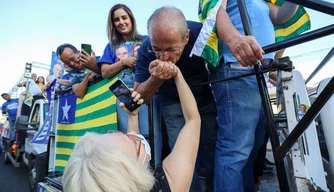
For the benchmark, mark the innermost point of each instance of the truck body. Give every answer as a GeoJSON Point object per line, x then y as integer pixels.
{"type": "Point", "coordinates": [325, 124]}
{"type": "Point", "coordinates": [27, 126]}
{"type": "Point", "coordinates": [303, 162]}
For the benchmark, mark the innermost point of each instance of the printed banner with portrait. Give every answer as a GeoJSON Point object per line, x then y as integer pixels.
{"type": "Point", "coordinates": [56, 69]}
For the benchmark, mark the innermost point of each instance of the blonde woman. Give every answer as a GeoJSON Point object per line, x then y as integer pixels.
{"type": "Point", "coordinates": [118, 162]}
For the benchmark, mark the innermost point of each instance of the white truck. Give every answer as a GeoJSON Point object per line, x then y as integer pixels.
{"type": "Point", "coordinates": [21, 151]}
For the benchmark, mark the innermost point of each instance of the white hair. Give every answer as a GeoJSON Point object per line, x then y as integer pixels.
{"type": "Point", "coordinates": [95, 167]}
{"type": "Point", "coordinates": [168, 17]}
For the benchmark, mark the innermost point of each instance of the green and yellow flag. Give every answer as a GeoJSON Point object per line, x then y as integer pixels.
{"type": "Point", "coordinates": [206, 45]}
{"type": "Point", "coordinates": [96, 112]}
{"type": "Point", "coordinates": [299, 23]}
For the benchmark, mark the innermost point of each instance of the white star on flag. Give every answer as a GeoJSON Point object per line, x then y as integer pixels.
{"type": "Point", "coordinates": [66, 108]}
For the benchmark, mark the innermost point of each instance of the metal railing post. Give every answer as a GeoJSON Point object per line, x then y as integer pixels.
{"type": "Point", "coordinates": [303, 124]}
{"type": "Point", "coordinates": [321, 65]}
{"type": "Point", "coordinates": [318, 5]}
{"type": "Point", "coordinates": [281, 173]}
{"type": "Point", "coordinates": [151, 132]}
{"type": "Point", "coordinates": [303, 38]}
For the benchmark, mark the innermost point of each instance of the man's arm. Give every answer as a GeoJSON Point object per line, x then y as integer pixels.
{"type": "Point", "coordinates": [94, 68]}
{"type": "Point", "coordinates": [3, 109]}
{"type": "Point", "coordinates": [22, 84]}
{"type": "Point", "coordinates": [280, 15]}
{"type": "Point", "coordinates": [244, 48]}
{"type": "Point", "coordinates": [80, 88]}
{"type": "Point", "coordinates": [64, 82]}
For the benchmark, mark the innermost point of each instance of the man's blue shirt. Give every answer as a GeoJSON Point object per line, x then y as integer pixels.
{"type": "Point", "coordinates": [11, 106]}
{"type": "Point", "coordinates": [76, 76]}
{"type": "Point", "coordinates": [261, 24]}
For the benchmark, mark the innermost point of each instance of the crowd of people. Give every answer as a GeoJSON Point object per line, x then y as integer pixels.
{"type": "Point", "coordinates": [57, 72]}
{"type": "Point", "coordinates": [11, 107]}
{"type": "Point", "coordinates": [219, 128]}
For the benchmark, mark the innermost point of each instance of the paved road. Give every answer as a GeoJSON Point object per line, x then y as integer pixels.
{"type": "Point", "coordinates": [269, 181]}
{"type": "Point", "coordinates": [13, 179]}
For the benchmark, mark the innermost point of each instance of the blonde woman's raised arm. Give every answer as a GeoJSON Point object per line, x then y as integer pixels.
{"type": "Point", "coordinates": [179, 165]}
{"type": "Point", "coordinates": [133, 116]}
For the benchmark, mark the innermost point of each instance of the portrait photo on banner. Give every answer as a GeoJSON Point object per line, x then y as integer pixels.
{"type": "Point", "coordinates": [56, 69]}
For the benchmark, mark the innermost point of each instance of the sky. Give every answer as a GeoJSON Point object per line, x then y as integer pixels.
{"type": "Point", "coordinates": [31, 30]}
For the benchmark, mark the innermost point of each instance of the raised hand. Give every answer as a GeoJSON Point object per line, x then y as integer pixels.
{"type": "Point", "coordinates": [129, 62]}
{"type": "Point", "coordinates": [246, 50]}
{"type": "Point", "coordinates": [163, 70]}
{"type": "Point", "coordinates": [136, 98]}
{"type": "Point", "coordinates": [86, 59]}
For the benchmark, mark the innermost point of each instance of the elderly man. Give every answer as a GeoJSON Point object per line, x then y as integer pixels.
{"type": "Point", "coordinates": [83, 66]}
{"type": "Point", "coordinates": [23, 84]}
{"type": "Point", "coordinates": [171, 39]}
{"type": "Point", "coordinates": [10, 107]}
{"type": "Point", "coordinates": [57, 73]}
{"type": "Point", "coordinates": [64, 82]}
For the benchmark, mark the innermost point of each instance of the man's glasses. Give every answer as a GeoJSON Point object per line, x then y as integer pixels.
{"type": "Point", "coordinates": [68, 62]}
{"type": "Point", "coordinates": [160, 54]}
{"type": "Point", "coordinates": [171, 53]}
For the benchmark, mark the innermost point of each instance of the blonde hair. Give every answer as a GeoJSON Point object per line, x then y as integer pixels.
{"type": "Point", "coordinates": [95, 167]}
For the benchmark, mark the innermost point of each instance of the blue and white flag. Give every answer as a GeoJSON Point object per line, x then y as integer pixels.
{"type": "Point", "coordinates": [56, 68]}
{"type": "Point", "coordinates": [49, 91]}
{"type": "Point", "coordinates": [67, 106]}
{"type": "Point", "coordinates": [33, 89]}
{"type": "Point", "coordinates": [42, 137]}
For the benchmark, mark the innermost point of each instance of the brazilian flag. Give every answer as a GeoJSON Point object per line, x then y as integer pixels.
{"type": "Point", "coordinates": [298, 23]}
{"type": "Point", "coordinates": [206, 45]}
{"type": "Point", "coordinates": [96, 112]}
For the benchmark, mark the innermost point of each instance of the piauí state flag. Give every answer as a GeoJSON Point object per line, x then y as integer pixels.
{"type": "Point", "coordinates": [96, 112]}
{"type": "Point", "coordinates": [66, 106]}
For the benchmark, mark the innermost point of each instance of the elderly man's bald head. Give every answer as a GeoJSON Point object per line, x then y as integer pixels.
{"type": "Point", "coordinates": [167, 19]}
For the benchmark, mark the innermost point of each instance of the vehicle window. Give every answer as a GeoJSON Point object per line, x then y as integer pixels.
{"type": "Point", "coordinates": [35, 117]}
{"type": "Point", "coordinates": [46, 110]}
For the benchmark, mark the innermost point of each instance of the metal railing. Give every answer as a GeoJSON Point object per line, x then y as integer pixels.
{"type": "Point", "coordinates": [280, 151]}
